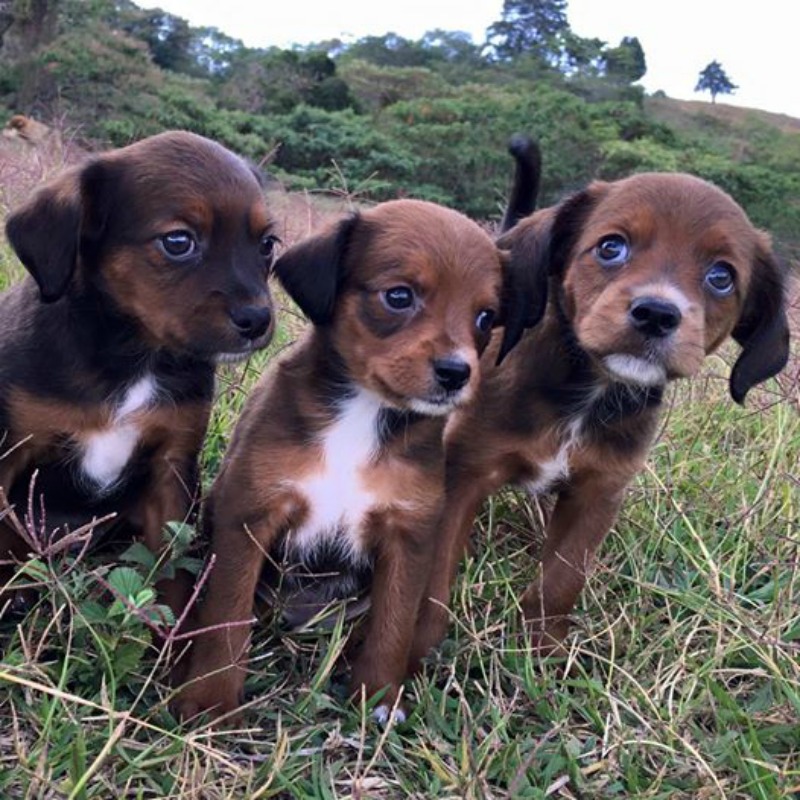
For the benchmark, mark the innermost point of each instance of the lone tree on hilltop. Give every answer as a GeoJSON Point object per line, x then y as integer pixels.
{"type": "Point", "coordinates": [714, 79]}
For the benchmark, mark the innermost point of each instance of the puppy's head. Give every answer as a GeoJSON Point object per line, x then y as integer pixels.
{"type": "Point", "coordinates": [408, 293]}
{"type": "Point", "coordinates": [653, 272]}
{"type": "Point", "coordinates": [171, 232]}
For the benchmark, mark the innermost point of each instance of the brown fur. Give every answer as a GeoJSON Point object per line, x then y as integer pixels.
{"type": "Point", "coordinates": [107, 305]}
{"type": "Point", "coordinates": [27, 130]}
{"type": "Point", "coordinates": [557, 393]}
{"type": "Point", "coordinates": [357, 345]}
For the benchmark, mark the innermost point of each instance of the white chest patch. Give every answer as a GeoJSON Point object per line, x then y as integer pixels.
{"type": "Point", "coordinates": [557, 468]}
{"type": "Point", "coordinates": [106, 452]}
{"type": "Point", "coordinates": [336, 493]}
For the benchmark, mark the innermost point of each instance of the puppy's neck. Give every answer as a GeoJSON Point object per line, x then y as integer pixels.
{"type": "Point", "coordinates": [336, 390]}
{"type": "Point", "coordinates": [82, 334]}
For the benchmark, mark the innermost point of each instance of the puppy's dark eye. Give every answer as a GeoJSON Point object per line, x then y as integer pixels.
{"type": "Point", "coordinates": [178, 245]}
{"type": "Point", "coordinates": [612, 250]}
{"type": "Point", "coordinates": [398, 298]}
{"type": "Point", "coordinates": [267, 246]}
{"type": "Point", "coordinates": [485, 320]}
{"type": "Point", "coordinates": [719, 279]}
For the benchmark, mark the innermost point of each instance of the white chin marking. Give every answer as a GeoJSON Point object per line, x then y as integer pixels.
{"type": "Point", "coordinates": [382, 714]}
{"type": "Point", "coordinates": [631, 369]}
{"type": "Point", "coordinates": [431, 409]}
{"type": "Point", "coordinates": [232, 358]}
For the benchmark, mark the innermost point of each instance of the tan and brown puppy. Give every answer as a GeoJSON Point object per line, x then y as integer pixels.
{"type": "Point", "coordinates": [336, 467]}
{"type": "Point", "coordinates": [638, 281]}
{"type": "Point", "coordinates": [148, 265]}
{"type": "Point", "coordinates": [27, 130]}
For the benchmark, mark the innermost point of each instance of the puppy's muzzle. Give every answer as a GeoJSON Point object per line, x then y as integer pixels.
{"type": "Point", "coordinates": [653, 317]}
{"type": "Point", "coordinates": [452, 374]}
{"type": "Point", "coordinates": [251, 322]}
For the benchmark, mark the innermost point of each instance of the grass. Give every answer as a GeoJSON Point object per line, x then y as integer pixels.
{"type": "Point", "coordinates": [682, 681]}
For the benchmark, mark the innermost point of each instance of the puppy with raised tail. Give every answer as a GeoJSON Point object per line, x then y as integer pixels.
{"type": "Point", "coordinates": [148, 265]}
{"type": "Point", "coordinates": [637, 281]}
{"type": "Point", "coordinates": [336, 466]}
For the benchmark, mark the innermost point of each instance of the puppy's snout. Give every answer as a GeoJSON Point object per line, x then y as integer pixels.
{"type": "Point", "coordinates": [251, 321]}
{"type": "Point", "coordinates": [451, 374]}
{"type": "Point", "coordinates": [654, 317]}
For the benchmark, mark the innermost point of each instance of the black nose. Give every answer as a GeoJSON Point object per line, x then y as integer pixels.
{"type": "Point", "coordinates": [654, 317]}
{"type": "Point", "coordinates": [251, 321]}
{"type": "Point", "coordinates": [451, 373]}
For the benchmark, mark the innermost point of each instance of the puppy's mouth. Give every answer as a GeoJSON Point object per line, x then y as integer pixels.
{"type": "Point", "coordinates": [636, 370]}
{"type": "Point", "coordinates": [235, 356]}
{"type": "Point", "coordinates": [439, 405]}
{"type": "Point", "coordinates": [436, 407]}
{"type": "Point", "coordinates": [435, 402]}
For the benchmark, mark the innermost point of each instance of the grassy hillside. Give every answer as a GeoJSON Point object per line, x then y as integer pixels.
{"type": "Point", "coordinates": [683, 679]}
{"type": "Point", "coordinates": [383, 116]}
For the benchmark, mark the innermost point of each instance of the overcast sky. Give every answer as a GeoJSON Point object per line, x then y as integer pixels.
{"type": "Point", "coordinates": [756, 43]}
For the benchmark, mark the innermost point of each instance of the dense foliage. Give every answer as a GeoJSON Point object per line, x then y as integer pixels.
{"type": "Point", "coordinates": [386, 116]}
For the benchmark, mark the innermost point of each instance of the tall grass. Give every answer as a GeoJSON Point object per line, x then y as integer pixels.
{"type": "Point", "coordinates": [682, 680]}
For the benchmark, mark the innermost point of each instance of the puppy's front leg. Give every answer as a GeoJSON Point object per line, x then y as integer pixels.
{"type": "Point", "coordinates": [463, 501]}
{"type": "Point", "coordinates": [583, 515]}
{"type": "Point", "coordinates": [218, 658]}
{"type": "Point", "coordinates": [402, 567]}
{"type": "Point", "coordinates": [13, 547]}
{"type": "Point", "coordinates": [170, 498]}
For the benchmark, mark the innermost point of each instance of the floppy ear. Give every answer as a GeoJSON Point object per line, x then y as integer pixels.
{"type": "Point", "coordinates": [64, 219]}
{"type": "Point", "coordinates": [44, 234]}
{"type": "Point", "coordinates": [100, 183]}
{"type": "Point", "coordinates": [762, 329]}
{"type": "Point", "coordinates": [525, 276]}
{"type": "Point", "coordinates": [540, 246]}
{"type": "Point", "coordinates": [312, 271]}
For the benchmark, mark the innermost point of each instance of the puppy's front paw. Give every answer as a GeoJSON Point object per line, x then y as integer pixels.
{"type": "Point", "coordinates": [546, 637]}
{"type": "Point", "coordinates": [384, 715]}
{"type": "Point", "coordinates": [215, 697]}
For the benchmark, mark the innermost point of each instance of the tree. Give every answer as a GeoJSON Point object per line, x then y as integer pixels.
{"type": "Point", "coordinates": [531, 27]}
{"type": "Point", "coordinates": [714, 80]}
{"type": "Point", "coordinates": [625, 63]}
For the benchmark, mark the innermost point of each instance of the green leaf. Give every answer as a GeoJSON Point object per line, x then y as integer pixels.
{"type": "Point", "coordinates": [139, 553]}
{"type": "Point", "coordinates": [36, 570]}
{"type": "Point", "coordinates": [144, 598]}
{"type": "Point", "coordinates": [126, 581]}
{"type": "Point", "coordinates": [160, 615]}
{"type": "Point", "coordinates": [128, 657]}
{"type": "Point", "coordinates": [94, 612]}
{"type": "Point", "coordinates": [180, 535]}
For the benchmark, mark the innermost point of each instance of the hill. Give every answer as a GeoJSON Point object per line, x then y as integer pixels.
{"type": "Point", "coordinates": [386, 117]}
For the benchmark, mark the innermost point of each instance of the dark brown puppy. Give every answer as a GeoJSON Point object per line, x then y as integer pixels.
{"type": "Point", "coordinates": [337, 460]}
{"type": "Point", "coordinates": [637, 281]}
{"type": "Point", "coordinates": [147, 265]}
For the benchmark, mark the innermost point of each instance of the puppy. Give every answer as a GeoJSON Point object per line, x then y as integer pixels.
{"type": "Point", "coordinates": [27, 130]}
{"type": "Point", "coordinates": [637, 281]}
{"type": "Point", "coordinates": [148, 265]}
{"type": "Point", "coordinates": [337, 465]}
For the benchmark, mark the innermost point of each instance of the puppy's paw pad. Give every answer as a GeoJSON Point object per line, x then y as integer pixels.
{"type": "Point", "coordinates": [383, 714]}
